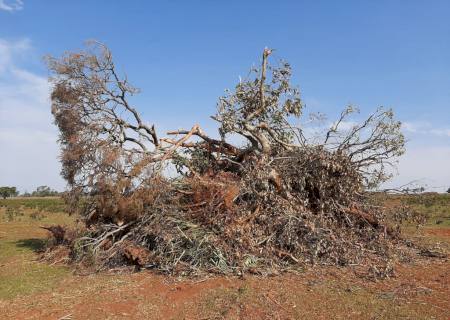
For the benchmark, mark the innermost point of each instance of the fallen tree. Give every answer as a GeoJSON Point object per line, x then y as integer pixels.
{"type": "Point", "coordinates": [275, 200]}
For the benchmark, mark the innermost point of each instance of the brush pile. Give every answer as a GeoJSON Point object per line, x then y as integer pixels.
{"type": "Point", "coordinates": [277, 198]}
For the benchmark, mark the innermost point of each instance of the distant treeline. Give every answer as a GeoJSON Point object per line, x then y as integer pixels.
{"type": "Point", "coordinates": [41, 191]}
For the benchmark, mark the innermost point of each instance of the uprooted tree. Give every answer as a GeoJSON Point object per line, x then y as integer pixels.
{"type": "Point", "coordinates": [277, 198]}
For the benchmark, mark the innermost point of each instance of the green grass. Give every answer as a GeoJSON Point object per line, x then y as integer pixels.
{"type": "Point", "coordinates": [436, 208]}
{"type": "Point", "coordinates": [21, 274]}
{"type": "Point", "coordinates": [21, 238]}
{"type": "Point", "coordinates": [48, 204]}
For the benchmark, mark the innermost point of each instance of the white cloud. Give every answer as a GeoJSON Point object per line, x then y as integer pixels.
{"type": "Point", "coordinates": [425, 128]}
{"type": "Point", "coordinates": [27, 135]}
{"type": "Point", "coordinates": [426, 159]}
{"type": "Point", "coordinates": [414, 126]}
{"type": "Point", "coordinates": [8, 50]}
{"type": "Point", "coordinates": [12, 5]}
{"type": "Point", "coordinates": [428, 165]}
{"type": "Point", "coordinates": [441, 132]}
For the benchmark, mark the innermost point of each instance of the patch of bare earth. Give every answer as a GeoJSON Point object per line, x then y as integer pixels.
{"type": "Point", "coordinates": [419, 291]}
{"type": "Point", "coordinates": [439, 232]}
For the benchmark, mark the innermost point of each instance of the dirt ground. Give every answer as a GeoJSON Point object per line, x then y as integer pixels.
{"type": "Point", "coordinates": [416, 292]}
{"type": "Point", "coordinates": [37, 290]}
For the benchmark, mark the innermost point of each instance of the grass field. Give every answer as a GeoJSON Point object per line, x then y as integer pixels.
{"type": "Point", "coordinates": [31, 289]}
{"type": "Point", "coordinates": [20, 238]}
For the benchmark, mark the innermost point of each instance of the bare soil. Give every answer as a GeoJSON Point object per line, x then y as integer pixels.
{"type": "Point", "coordinates": [38, 290]}
{"type": "Point", "coordinates": [418, 291]}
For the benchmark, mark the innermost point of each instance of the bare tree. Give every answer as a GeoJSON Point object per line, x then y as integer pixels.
{"type": "Point", "coordinates": [372, 145]}
{"type": "Point", "coordinates": [104, 140]}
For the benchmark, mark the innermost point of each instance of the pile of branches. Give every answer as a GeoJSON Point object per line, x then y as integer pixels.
{"type": "Point", "coordinates": [265, 194]}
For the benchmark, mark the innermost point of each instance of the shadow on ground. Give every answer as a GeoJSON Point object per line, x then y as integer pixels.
{"type": "Point", "coordinates": [34, 244]}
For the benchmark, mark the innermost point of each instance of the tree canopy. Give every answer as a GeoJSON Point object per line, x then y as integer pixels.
{"type": "Point", "coordinates": [6, 192]}
{"type": "Point", "coordinates": [44, 191]}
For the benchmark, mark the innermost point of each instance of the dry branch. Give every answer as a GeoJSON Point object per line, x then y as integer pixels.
{"type": "Point", "coordinates": [279, 200]}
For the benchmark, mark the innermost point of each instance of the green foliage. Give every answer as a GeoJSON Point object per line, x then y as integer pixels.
{"type": "Point", "coordinates": [256, 105]}
{"type": "Point", "coordinates": [6, 192]}
{"type": "Point", "coordinates": [40, 204]}
{"type": "Point", "coordinates": [44, 191]}
{"type": "Point", "coordinates": [199, 159]}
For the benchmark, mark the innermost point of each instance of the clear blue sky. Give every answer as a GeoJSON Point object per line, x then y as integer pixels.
{"type": "Point", "coordinates": [183, 54]}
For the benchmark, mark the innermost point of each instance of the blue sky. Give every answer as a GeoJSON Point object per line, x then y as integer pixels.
{"type": "Point", "coordinates": [183, 54]}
